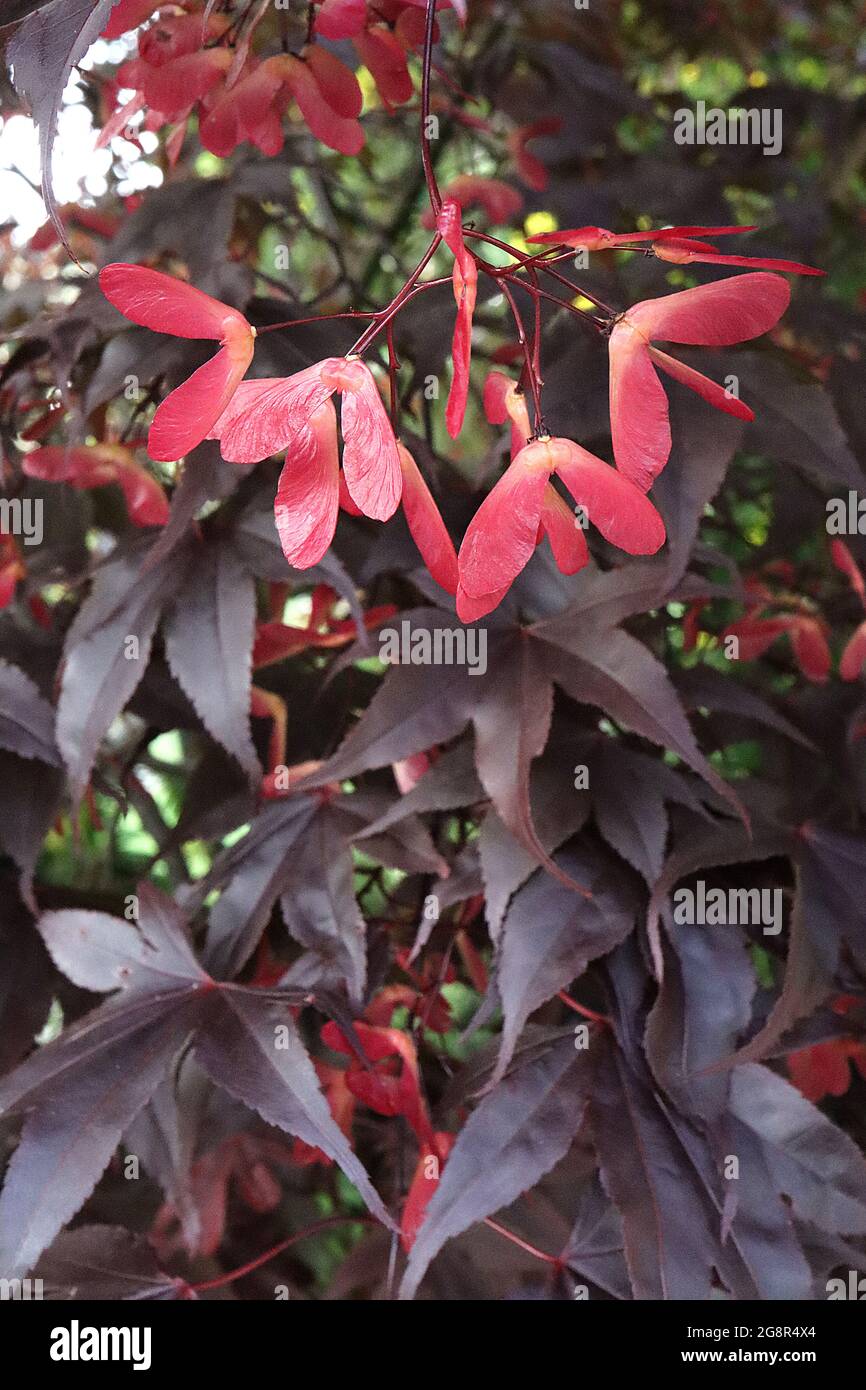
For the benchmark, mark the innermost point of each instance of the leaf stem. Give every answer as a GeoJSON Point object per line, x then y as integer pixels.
{"type": "Point", "coordinates": [318, 318]}
{"type": "Point", "coordinates": [522, 1244]}
{"type": "Point", "coordinates": [317, 1226]}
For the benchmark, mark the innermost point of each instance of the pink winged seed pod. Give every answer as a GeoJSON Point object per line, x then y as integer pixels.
{"type": "Point", "coordinates": [716, 315]}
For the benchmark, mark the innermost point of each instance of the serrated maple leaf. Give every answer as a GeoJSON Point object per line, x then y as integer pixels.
{"type": "Point", "coordinates": [26, 719]}
{"type": "Point", "coordinates": [42, 53]}
{"type": "Point", "coordinates": [517, 1133]}
{"type": "Point", "coordinates": [105, 1264]}
{"type": "Point", "coordinates": [550, 935]}
{"type": "Point", "coordinates": [298, 850]}
{"type": "Point", "coordinates": [82, 1091]}
{"type": "Point", "coordinates": [209, 633]}
{"type": "Point", "coordinates": [510, 705]}
{"type": "Point", "coordinates": [106, 653]}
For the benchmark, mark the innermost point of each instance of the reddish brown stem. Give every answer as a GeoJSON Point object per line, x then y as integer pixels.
{"type": "Point", "coordinates": [383, 318]}
{"type": "Point", "coordinates": [541, 260]}
{"type": "Point", "coordinates": [426, 157]}
{"type": "Point", "coordinates": [275, 1250]}
{"type": "Point", "coordinates": [529, 373]}
{"type": "Point", "coordinates": [522, 1244]}
{"type": "Point", "coordinates": [393, 369]}
{"type": "Point", "coordinates": [560, 303]}
{"type": "Point", "coordinates": [582, 1009]}
{"type": "Point", "coordinates": [317, 318]}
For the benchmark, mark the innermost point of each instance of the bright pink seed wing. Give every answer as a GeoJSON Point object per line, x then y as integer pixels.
{"type": "Point", "coordinates": [811, 652]}
{"type": "Point", "coordinates": [756, 635]}
{"type": "Point", "coordinates": [346, 502]}
{"type": "Point", "coordinates": [146, 502]}
{"type": "Point", "coordinates": [308, 493]}
{"type": "Point", "coordinates": [716, 315]}
{"type": "Point", "coordinates": [566, 536]}
{"type": "Point", "coordinates": [268, 136]}
{"type": "Point", "coordinates": [703, 385]}
{"type": "Point", "coordinates": [88, 466]}
{"type": "Point", "coordinates": [599, 238]}
{"type": "Point", "coordinates": [173, 37]}
{"type": "Point", "coordinates": [682, 251]}
{"type": "Point", "coordinates": [589, 238]}
{"type": "Point", "coordinates": [370, 459]}
{"type": "Point", "coordinates": [164, 304]}
{"type": "Point", "coordinates": [267, 416]}
{"type": "Point", "coordinates": [618, 508]}
{"type": "Point", "coordinates": [244, 403]}
{"type": "Point", "coordinates": [426, 524]}
{"type": "Point", "coordinates": [704, 231]}
{"type": "Point", "coordinates": [81, 465]}
{"type": "Point", "coordinates": [335, 131]}
{"type": "Point", "coordinates": [497, 389]}
{"type": "Point", "coordinates": [854, 655]}
{"type": "Point", "coordinates": [677, 233]}
{"type": "Point", "coordinates": [758, 263]}
{"type": "Point", "coordinates": [502, 401]}
{"type": "Point", "coordinates": [847, 565]}
{"type": "Point", "coordinates": [471, 608]}
{"type": "Point", "coordinates": [340, 19]}
{"type": "Point", "coordinates": [461, 352]}
{"type": "Point", "coordinates": [530, 167]}
{"type": "Point", "coordinates": [10, 573]}
{"type": "Point", "coordinates": [503, 533]}
{"type": "Point", "coordinates": [116, 123]}
{"type": "Point", "coordinates": [242, 112]}
{"type": "Point", "coordinates": [186, 417]}
{"type": "Point", "coordinates": [176, 86]}
{"type": "Point", "coordinates": [337, 83]}
{"type": "Point", "coordinates": [639, 421]}
{"type": "Point", "coordinates": [126, 15]}
{"type": "Point", "coordinates": [449, 225]}
{"type": "Point", "coordinates": [381, 52]}
{"type": "Point", "coordinates": [220, 131]}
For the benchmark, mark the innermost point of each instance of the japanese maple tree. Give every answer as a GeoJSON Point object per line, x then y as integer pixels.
{"type": "Point", "coordinates": [401, 641]}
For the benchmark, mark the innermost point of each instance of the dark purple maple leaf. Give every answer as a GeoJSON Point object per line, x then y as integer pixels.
{"type": "Point", "coordinates": [81, 1092]}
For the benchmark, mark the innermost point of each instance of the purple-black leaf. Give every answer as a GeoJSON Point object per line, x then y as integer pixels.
{"type": "Point", "coordinates": [104, 1264]}
{"type": "Point", "coordinates": [106, 652]}
{"type": "Point", "coordinates": [81, 1092]}
{"type": "Point", "coordinates": [26, 720]}
{"type": "Point", "coordinates": [209, 641]}
{"type": "Point", "coordinates": [255, 870]}
{"type": "Point", "coordinates": [250, 1048]}
{"type": "Point", "coordinates": [550, 935]}
{"type": "Point", "coordinates": [42, 54]}
{"type": "Point", "coordinates": [320, 910]}
{"type": "Point", "coordinates": [516, 1135]}
{"type": "Point", "coordinates": [30, 796]}
{"type": "Point", "coordinates": [812, 1163]}
{"type": "Point", "coordinates": [595, 1247]}
{"type": "Point", "coordinates": [103, 953]}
